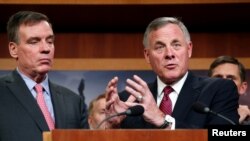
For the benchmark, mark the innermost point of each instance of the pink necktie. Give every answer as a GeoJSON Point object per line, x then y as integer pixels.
{"type": "Point", "coordinates": [43, 107]}
{"type": "Point", "coordinates": [166, 104]}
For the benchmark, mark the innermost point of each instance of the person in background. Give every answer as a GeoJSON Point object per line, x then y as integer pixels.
{"type": "Point", "coordinates": [30, 103]}
{"type": "Point", "coordinates": [97, 112]}
{"type": "Point", "coordinates": [228, 67]}
{"type": "Point", "coordinates": [168, 101]}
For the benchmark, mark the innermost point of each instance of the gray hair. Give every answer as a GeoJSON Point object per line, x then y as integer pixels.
{"type": "Point", "coordinates": [160, 22]}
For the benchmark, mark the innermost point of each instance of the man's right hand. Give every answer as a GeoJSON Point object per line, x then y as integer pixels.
{"type": "Point", "coordinates": [113, 104]}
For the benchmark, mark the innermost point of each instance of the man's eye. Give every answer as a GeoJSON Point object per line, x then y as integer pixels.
{"type": "Point", "coordinates": [176, 45]}
{"type": "Point", "coordinates": [159, 47]}
{"type": "Point", "coordinates": [230, 78]}
{"type": "Point", "coordinates": [218, 76]}
{"type": "Point", "coordinates": [50, 41]}
{"type": "Point", "coordinates": [33, 42]}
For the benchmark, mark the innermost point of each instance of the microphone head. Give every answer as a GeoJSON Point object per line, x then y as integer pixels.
{"type": "Point", "coordinates": [200, 107]}
{"type": "Point", "coordinates": [135, 111]}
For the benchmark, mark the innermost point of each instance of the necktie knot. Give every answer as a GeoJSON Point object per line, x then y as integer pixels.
{"type": "Point", "coordinates": [39, 88]}
{"type": "Point", "coordinates": [167, 90]}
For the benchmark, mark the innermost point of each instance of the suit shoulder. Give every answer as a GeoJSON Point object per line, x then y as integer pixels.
{"type": "Point", "coordinates": [219, 85]}
{"type": "Point", "coordinates": [214, 81]}
{"type": "Point", "coordinates": [206, 83]}
{"type": "Point", "coordinates": [5, 78]}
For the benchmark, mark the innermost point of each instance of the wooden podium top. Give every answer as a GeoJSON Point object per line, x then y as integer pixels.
{"type": "Point", "coordinates": [126, 135]}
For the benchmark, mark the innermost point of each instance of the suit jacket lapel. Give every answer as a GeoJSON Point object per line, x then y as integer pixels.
{"type": "Point", "coordinates": [189, 93]}
{"type": "Point", "coordinates": [153, 89]}
{"type": "Point", "coordinates": [19, 89]}
{"type": "Point", "coordinates": [58, 103]}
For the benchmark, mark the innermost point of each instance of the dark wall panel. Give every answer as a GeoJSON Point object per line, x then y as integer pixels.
{"type": "Point", "coordinates": [129, 45]}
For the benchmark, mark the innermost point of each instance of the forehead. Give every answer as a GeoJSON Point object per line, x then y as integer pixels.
{"type": "Point", "coordinates": [39, 29]}
{"type": "Point", "coordinates": [168, 31]}
{"type": "Point", "coordinates": [227, 69]}
{"type": "Point", "coordinates": [100, 101]}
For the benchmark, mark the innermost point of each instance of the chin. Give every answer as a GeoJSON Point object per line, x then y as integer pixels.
{"type": "Point", "coordinates": [44, 69]}
{"type": "Point", "coordinates": [171, 78]}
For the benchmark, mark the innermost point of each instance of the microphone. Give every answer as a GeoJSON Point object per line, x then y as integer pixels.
{"type": "Point", "coordinates": [202, 108]}
{"type": "Point", "coordinates": [132, 111]}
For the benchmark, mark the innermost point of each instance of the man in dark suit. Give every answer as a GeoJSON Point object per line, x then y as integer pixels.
{"type": "Point", "coordinates": [168, 101]}
{"type": "Point", "coordinates": [31, 44]}
{"type": "Point", "coordinates": [228, 67]}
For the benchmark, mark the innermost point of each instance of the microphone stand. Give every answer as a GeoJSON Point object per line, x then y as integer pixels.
{"type": "Point", "coordinates": [109, 117]}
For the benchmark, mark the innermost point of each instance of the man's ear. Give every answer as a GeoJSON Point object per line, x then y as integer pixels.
{"type": "Point", "coordinates": [91, 122]}
{"type": "Point", "coordinates": [13, 50]}
{"type": "Point", "coordinates": [190, 49]}
{"type": "Point", "coordinates": [243, 88]}
{"type": "Point", "coordinates": [146, 55]}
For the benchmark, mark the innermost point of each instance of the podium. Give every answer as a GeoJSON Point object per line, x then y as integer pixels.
{"type": "Point", "coordinates": [126, 135]}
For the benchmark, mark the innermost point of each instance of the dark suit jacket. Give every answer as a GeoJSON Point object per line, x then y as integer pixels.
{"type": "Point", "coordinates": [20, 116]}
{"type": "Point", "coordinates": [219, 95]}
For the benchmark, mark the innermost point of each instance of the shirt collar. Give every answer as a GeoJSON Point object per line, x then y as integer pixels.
{"type": "Point", "coordinates": [176, 86]}
{"type": "Point", "coordinates": [31, 83]}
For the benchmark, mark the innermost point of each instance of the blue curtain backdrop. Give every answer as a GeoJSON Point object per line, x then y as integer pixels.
{"type": "Point", "coordinates": [92, 83]}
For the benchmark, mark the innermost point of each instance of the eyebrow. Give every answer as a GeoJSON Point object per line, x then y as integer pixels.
{"type": "Point", "coordinates": [50, 36]}
{"type": "Point", "coordinates": [33, 38]}
{"type": "Point", "coordinates": [227, 76]}
{"type": "Point", "coordinates": [39, 38]}
{"type": "Point", "coordinates": [160, 42]}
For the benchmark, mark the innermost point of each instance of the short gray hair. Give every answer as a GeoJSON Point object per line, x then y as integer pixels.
{"type": "Point", "coordinates": [160, 22]}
